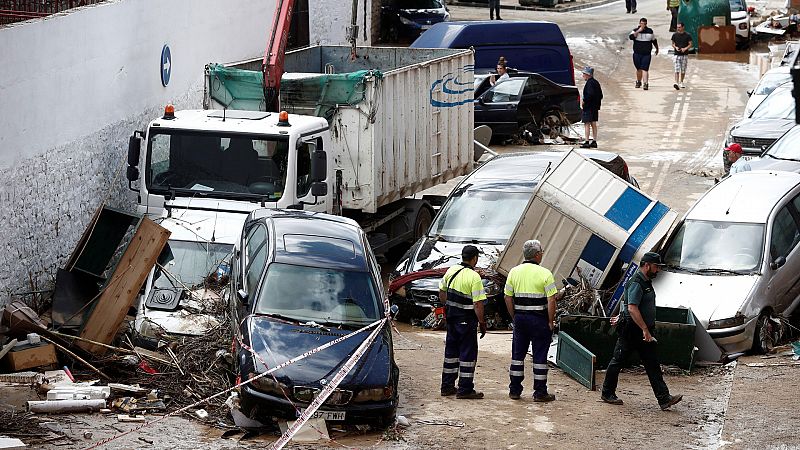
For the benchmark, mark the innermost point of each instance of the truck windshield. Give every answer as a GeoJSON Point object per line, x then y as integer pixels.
{"type": "Point", "coordinates": [700, 244]}
{"type": "Point", "coordinates": [318, 294]}
{"type": "Point", "coordinates": [190, 163]}
{"type": "Point", "coordinates": [190, 262]}
{"type": "Point", "coordinates": [480, 215]}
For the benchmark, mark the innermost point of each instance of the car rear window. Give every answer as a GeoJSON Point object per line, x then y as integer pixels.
{"type": "Point", "coordinates": [332, 248]}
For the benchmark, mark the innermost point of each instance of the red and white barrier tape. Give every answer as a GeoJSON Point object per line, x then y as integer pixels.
{"type": "Point", "coordinates": [245, 382]}
{"type": "Point", "coordinates": [328, 390]}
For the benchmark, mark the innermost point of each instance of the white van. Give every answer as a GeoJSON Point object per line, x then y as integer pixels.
{"type": "Point", "coordinates": [734, 259]}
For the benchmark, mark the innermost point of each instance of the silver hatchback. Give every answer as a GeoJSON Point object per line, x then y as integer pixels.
{"type": "Point", "coordinates": [735, 261]}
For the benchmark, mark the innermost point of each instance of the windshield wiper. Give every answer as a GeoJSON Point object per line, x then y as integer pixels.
{"type": "Point", "coordinates": [484, 241]}
{"type": "Point", "coordinates": [783, 159]}
{"type": "Point", "coordinates": [280, 317]}
{"type": "Point", "coordinates": [714, 270]}
{"type": "Point", "coordinates": [680, 269]}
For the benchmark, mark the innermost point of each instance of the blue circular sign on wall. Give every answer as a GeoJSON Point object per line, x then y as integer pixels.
{"type": "Point", "coordinates": [166, 65]}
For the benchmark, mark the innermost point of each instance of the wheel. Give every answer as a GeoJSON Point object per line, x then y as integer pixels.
{"type": "Point", "coordinates": [767, 334]}
{"type": "Point", "coordinates": [553, 124]}
{"type": "Point", "coordinates": [422, 223]}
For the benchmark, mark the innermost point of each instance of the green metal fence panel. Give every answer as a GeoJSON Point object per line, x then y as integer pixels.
{"type": "Point", "coordinates": [576, 360]}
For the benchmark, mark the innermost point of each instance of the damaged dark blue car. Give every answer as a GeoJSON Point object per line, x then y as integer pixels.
{"type": "Point", "coordinates": [301, 280]}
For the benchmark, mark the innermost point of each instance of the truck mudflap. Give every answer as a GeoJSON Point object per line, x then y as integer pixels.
{"type": "Point", "coordinates": [587, 219]}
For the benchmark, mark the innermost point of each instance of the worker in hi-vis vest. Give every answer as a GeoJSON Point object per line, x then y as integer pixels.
{"type": "Point", "coordinates": [530, 296]}
{"type": "Point", "coordinates": [461, 290]}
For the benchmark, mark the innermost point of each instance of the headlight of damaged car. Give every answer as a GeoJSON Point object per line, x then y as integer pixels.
{"type": "Point", "coordinates": [408, 22]}
{"type": "Point", "coordinates": [374, 394]}
{"type": "Point", "coordinates": [492, 288]}
{"type": "Point", "coordinates": [268, 385]}
{"type": "Point", "coordinates": [735, 321]}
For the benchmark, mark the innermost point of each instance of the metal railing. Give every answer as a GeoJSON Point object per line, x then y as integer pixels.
{"type": "Point", "coordinates": [18, 10]}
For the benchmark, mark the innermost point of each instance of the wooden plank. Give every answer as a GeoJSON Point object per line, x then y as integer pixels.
{"type": "Point", "coordinates": [123, 287]}
{"type": "Point", "coordinates": [577, 361]}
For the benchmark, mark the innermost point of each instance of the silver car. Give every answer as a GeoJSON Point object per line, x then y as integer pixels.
{"type": "Point", "coordinates": [734, 259]}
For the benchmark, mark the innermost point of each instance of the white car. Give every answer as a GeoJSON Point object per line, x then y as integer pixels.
{"type": "Point", "coordinates": [734, 259]}
{"type": "Point", "coordinates": [772, 79]}
{"type": "Point", "coordinates": [740, 18]}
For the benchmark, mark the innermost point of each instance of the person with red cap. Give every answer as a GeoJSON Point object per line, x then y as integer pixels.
{"type": "Point", "coordinates": [733, 159]}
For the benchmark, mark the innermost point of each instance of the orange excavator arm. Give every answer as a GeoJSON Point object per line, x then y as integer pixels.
{"type": "Point", "coordinates": [272, 66]}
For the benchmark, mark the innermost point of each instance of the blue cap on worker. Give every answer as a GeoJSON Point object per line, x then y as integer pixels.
{"type": "Point", "coordinates": [588, 70]}
{"type": "Point", "coordinates": [652, 258]}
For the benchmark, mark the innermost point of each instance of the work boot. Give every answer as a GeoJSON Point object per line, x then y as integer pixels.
{"type": "Point", "coordinates": [673, 399]}
{"type": "Point", "coordinates": [470, 395]}
{"type": "Point", "coordinates": [449, 391]}
{"type": "Point", "coordinates": [646, 86]}
{"type": "Point", "coordinates": [612, 399]}
{"type": "Point", "coordinates": [513, 396]}
{"type": "Point", "coordinates": [638, 84]}
{"type": "Point", "coordinates": [544, 398]}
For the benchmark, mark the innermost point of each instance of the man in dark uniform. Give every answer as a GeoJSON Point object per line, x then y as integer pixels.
{"type": "Point", "coordinates": [530, 295]}
{"type": "Point", "coordinates": [635, 325]}
{"type": "Point", "coordinates": [461, 290]}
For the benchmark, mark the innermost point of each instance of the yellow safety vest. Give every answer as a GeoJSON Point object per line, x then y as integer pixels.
{"type": "Point", "coordinates": [530, 284]}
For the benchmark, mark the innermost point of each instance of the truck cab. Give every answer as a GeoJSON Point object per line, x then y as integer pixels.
{"type": "Point", "coordinates": [230, 160]}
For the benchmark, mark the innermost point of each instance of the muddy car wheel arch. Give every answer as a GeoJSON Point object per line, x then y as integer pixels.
{"type": "Point", "coordinates": [767, 333]}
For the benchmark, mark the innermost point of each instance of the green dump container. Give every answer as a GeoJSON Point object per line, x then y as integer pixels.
{"type": "Point", "coordinates": [698, 13]}
{"type": "Point", "coordinates": [675, 329]}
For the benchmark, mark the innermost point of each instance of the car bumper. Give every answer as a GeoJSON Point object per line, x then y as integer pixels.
{"type": "Point", "coordinates": [256, 404]}
{"type": "Point", "coordinates": [735, 339]}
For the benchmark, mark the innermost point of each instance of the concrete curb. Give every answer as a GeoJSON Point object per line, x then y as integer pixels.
{"type": "Point", "coordinates": [590, 4]}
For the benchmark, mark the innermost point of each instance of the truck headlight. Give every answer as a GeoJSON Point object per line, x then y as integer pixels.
{"type": "Point", "coordinates": [374, 394]}
{"type": "Point", "coordinates": [735, 321]}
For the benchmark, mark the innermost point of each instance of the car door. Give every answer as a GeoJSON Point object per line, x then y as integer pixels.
{"type": "Point", "coordinates": [497, 107]}
{"type": "Point", "coordinates": [534, 99]}
{"type": "Point", "coordinates": [784, 284]}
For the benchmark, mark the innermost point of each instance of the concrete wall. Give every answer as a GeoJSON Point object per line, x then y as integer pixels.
{"type": "Point", "coordinates": [74, 87]}
{"type": "Point", "coordinates": [328, 21]}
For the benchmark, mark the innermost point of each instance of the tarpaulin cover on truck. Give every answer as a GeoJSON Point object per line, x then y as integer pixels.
{"type": "Point", "coordinates": [302, 93]}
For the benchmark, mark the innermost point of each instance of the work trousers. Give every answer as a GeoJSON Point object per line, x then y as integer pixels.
{"type": "Point", "coordinates": [494, 9]}
{"type": "Point", "coordinates": [460, 354]}
{"type": "Point", "coordinates": [530, 330]}
{"type": "Point", "coordinates": [630, 341]}
{"type": "Point", "coordinates": [630, 5]}
{"type": "Point", "coordinates": [673, 24]}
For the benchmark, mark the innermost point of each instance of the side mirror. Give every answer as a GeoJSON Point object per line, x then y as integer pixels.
{"type": "Point", "coordinates": [749, 92]}
{"type": "Point", "coordinates": [242, 296]}
{"type": "Point", "coordinates": [132, 173]}
{"type": "Point", "coordinates": [319, 189]}
{"type": "Point", "coordinates": [393, 310]}
{"type": "Point", "coordinates": [319, 165]}
{"type": "Point", "coordinates": [134, 147]}
{"type": "Point", "coordinates": [778, 263]}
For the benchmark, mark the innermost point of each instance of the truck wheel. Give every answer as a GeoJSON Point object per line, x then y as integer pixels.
{"type": "Point", "coordinates": [767, 334]}
{"type": "Point", "coordinates": [422, 223]}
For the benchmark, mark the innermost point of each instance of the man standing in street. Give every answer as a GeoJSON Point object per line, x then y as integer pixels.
{"type": "Point", "coordinates": [590, 104]}
{"type": "Point", "coordinates": [530, 295]}
{"type": "Point", "coordinates": [672, 7]}
{"type": "Point", "coordinates": [630, 6]}
{"type": "Point", "coordinates": [494, 9]}
{"type": "Point", "coordinates": [461, 290]}
{"type": "Point", "coordinates": [643, 42]}
{"type": "Point", "coordinates": [635, 326]}
{"type": "Point", "coordinates": [681, 43]}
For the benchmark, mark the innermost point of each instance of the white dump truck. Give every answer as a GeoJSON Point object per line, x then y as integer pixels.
{"type": "Point", "coordinates": [363, 135]}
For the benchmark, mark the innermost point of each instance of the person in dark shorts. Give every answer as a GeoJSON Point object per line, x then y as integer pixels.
{"type": "Point", "coordinates": [592, 97]}
{"type": "Point", "coordinates": [644, 40]}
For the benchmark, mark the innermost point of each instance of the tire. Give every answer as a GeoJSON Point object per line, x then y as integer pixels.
{"type": "Point", "coordinates": [767, 334]}
{"type": "Point", "coordinates": [422, 223]}
{"type": "Point", "coordinates": [552, 122]}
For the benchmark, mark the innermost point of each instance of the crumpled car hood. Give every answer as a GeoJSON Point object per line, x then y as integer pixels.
{"type": "Point", "coordinates": [711, 297]}
{"type": "Point", "coordinates": [276, 342]}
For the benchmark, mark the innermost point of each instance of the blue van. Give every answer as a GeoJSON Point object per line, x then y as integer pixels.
{"type": "Point", "coordinates": [529, 46]}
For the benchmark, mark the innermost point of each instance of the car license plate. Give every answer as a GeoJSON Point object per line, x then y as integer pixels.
{"type": "Point", "coordinates": [327, 415]}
